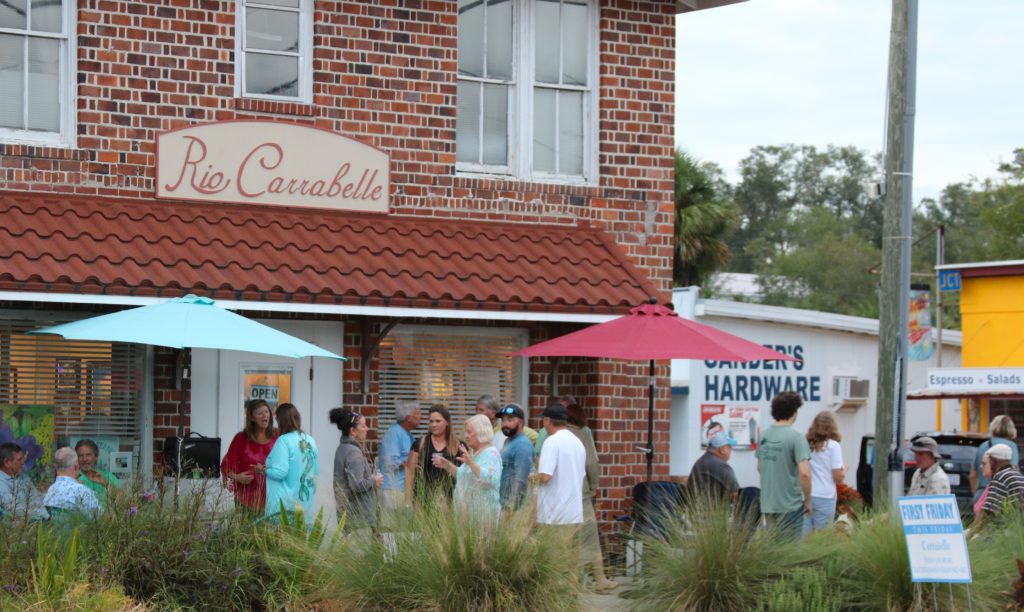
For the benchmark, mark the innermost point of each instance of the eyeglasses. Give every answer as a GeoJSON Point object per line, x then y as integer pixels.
{"type": "Point", "coordinates": [508, 410]}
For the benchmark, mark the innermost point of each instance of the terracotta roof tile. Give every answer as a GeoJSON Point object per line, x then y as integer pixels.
{"type": "Point", "coordinates": [65, 243]}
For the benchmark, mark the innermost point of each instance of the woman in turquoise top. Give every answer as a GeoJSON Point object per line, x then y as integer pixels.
{"type": "Point", "coordinates": [478, 479]}
{"type": "Point", "coordinates": [292, 467]}
{"type": "Point", "coordinates": [97, 480]}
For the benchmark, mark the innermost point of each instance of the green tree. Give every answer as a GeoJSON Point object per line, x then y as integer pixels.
{"type": "Point", "coordinates": [704, 218]}
{"type": "Point", "coordinates": [983, 219]}
{"type": "Point", "coordinates": [826, 267]}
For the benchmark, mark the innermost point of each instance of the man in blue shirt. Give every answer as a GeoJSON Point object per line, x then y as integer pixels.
{"type": "Point", "coordinates": [516, 457]}
{"type": "Point", "coordinates": [18, 496]}
{"type": "Point", "coordinates": [394, 452]}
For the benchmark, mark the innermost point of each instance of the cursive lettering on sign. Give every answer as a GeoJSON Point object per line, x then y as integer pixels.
{"type": "Point", "coordinates": [273, 163]}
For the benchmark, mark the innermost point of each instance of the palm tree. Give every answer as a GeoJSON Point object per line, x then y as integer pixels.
{"type": "Point", "coordinates": [704, 218]}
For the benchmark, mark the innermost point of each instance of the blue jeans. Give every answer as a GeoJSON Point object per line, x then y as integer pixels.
{"type": "Point", "coordinates": [789, 525]}
{"type": "Point", "coordinates": [823, 513]}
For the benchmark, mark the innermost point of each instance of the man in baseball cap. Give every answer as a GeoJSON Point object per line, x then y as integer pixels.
{"type": "Point", "coordinates": [1007, 486]}
{"type": "Point", "coordinates": [711, 475]}
{"type": "Point", "coordinates": [516, 457]}
{"type": "Point", "coordinates": [929, 479]}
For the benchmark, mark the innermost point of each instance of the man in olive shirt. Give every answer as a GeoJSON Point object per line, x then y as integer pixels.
{"type": "Point", "coordinates": [783, 460]}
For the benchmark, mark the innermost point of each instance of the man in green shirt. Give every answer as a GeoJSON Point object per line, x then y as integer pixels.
{"type": "Point", "coordinates": [783, 461]}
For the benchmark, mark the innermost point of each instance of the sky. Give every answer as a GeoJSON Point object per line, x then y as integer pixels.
{"type": "Point", "coordinates": [814, 71]}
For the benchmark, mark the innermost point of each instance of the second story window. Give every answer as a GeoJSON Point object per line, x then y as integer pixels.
{"type": "Point", "coordinates": [37, 72]}
{"type": "Point", "coordinates": [275, 49]}
{"type": "Point", "coordinates": [526, 89]}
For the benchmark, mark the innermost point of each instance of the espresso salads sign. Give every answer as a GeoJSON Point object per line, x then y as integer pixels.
{"type": "Point", "coordinates": [267, 162]}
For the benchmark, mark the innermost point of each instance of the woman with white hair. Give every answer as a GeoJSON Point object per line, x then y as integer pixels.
{"type": "Point", "coordinates": [1003, 431]}
{"type": "Point", "coordinates": [478, 479]}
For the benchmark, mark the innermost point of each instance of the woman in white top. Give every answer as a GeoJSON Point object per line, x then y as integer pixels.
{"type": "Point", "coordinates": [827, 469]}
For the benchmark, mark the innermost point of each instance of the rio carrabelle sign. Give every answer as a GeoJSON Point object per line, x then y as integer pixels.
{"type": "Point", "coordinates": [269, 162]}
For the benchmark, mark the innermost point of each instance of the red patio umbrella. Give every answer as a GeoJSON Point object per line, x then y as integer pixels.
{"type": "Point", "coordinates": [651, 331]}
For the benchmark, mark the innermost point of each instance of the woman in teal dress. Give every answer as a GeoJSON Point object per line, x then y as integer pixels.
{"type": "Point", "coordinates": [478, 479]}
{"type": "Point", "coordinates": [97, 480]}
{"type": "Point", "coordinates": [292, 468]}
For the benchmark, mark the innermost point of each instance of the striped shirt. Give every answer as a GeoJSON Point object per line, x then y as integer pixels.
{"type": "Point", "coordinates": [1007, 486]}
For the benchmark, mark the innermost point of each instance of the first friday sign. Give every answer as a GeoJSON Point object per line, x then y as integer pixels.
{"type": "Point", "coordinates": [935, 539]}
{"type": "Point", "coordinates": [270, 162]}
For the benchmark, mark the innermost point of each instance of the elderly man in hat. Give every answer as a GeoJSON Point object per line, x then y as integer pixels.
{"type": "Point", "coordinates": [1007, 486]}
{"type": "Point", "coordinates": [929, 479]}
{"type": "Point", "coordinates": [712, 475]}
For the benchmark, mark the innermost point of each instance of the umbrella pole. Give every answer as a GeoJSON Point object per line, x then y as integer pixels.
{"type": "Point", "coordinates": [650, 422]}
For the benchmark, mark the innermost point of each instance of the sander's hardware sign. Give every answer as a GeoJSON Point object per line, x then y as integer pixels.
{"type": "Point", "coordinates": [270, 162]}
{"type": "Point", "coordinates": [935, 538]}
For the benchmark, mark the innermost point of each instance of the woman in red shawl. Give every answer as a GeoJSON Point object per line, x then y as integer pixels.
{"type": "Point", "coordinates": [249, 449]}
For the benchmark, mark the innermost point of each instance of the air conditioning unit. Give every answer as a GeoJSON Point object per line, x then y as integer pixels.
{"type": "Point", "coordinates": [850, 390]}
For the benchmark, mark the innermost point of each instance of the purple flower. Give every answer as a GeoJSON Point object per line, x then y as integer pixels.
{"type": "Point", "coordinates": [133, 511]}
{"type": "Point", "coordinates": [237, 572]}
{"type": "Point", "coordinates": [184, 553]}
{"type": "Point", "coordinates": [10, 588]}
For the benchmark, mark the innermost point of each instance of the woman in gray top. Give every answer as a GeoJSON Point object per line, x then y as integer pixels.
{"type": "Point", "coordinates": [355, 483]}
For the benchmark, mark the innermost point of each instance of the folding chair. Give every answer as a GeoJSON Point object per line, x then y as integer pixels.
{"type": "Point", "coordinates": [655, 506]}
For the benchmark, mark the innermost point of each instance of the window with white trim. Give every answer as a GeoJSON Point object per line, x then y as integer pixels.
{"type": "Point", "coordinates": [451, 366]}
{"type": "Point", "coordinates": [274, 50]}
{"type": "Point", "coordinates": [37, 71]}
{"type": "Point", "coordinates": [527, 89]}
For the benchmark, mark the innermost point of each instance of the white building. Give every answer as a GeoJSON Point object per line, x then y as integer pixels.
{"type": "Point", "coordinates": [839, 356]}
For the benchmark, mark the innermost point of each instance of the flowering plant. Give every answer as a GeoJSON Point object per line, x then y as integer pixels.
{"type": "Point", "coordinates": [848, 500]}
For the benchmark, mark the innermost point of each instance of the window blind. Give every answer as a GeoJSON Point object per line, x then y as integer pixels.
{"type": "Point", "coordinates": [91, 388]}
{"type": "Point", "coordinates": [451, 366]}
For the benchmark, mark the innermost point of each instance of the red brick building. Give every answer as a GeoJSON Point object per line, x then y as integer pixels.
{"type": "Point", "coordinates": [529, 168]}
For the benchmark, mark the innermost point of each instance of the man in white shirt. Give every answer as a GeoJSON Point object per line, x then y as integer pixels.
{"type": "Point", "coordinates": [560, 472]}
{"type": "Point", "coordinates": [66, 494]}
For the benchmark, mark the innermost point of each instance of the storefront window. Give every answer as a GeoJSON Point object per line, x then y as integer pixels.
{"type": "Point", "coordinates": [451, 366]}
{"type": "Point", "coordinates": [54, 393]}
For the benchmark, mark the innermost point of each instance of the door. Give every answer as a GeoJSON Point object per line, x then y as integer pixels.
{"type": "Point", "coordinates": [224, 380]}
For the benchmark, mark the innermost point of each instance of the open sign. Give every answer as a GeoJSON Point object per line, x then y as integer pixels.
{"type": "Point", "coordinates": [267, 393]}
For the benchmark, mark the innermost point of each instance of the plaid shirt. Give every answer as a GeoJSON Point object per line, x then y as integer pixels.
{"type": "Point", "coordinates": [932, 481]}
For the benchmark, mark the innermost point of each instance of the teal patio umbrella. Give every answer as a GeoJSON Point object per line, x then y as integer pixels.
{"type": "Point", "coordinates": [186, 323]}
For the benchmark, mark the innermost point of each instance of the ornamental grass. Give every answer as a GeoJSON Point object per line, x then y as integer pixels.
{"type": "Point", "coordinates": [439, 561]}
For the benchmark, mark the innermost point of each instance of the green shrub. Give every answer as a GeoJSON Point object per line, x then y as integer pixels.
{"type": "Point", "coordinates": [446, 563]}
{"type": "Point", "coordinates": [805, 590]}
{"type": "Point", "coordinates": [873, 573]}
{"type": "Point", "coordinates": [711, 560]}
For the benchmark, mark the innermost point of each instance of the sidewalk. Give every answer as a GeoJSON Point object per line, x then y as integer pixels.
{"type": "Point", "coordinates": [606, 602]}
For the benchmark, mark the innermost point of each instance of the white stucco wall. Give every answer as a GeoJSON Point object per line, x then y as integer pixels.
{"type": "Point", "coordinates": [826, 353]}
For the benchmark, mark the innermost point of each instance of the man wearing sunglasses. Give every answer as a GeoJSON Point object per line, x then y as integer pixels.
{"type": "Point", "coordinates": [516, 457]}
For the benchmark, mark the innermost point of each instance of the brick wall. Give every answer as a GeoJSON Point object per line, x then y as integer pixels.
{"type": "Point", "coordinates": [382, 74]}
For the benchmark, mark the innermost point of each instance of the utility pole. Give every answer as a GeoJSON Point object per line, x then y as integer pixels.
{"type": "Point", "coordinates": [894, 295]}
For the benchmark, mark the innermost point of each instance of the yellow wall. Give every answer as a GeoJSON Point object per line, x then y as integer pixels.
{"type": "Point", "coordinates": [992, 313]}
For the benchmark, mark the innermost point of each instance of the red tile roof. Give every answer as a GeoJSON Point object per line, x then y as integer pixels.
{"type": "Point", "coordinates": [80, 244]}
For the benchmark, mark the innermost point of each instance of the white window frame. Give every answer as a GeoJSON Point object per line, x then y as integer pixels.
{"type": "Point", "coordinates": [67, 84]}
{"type": "Point", "coordinates": [520, 105]}
{"type": "Point", "coordinates": [305, 85]}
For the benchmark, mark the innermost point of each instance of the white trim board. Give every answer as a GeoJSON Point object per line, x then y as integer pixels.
{"type": "Point", "coordinates": [338, 309]}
